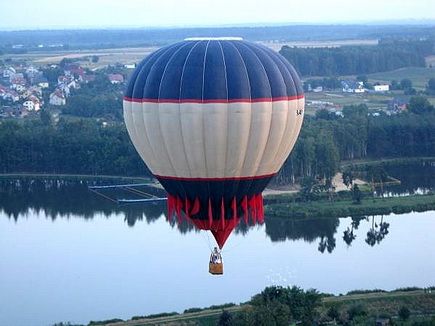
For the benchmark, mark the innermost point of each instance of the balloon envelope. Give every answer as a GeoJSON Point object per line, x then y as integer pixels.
{"type": "Point", "coordinates": [214, 120]}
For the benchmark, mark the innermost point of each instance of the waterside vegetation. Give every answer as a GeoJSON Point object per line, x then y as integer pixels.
{"type": "Point", "coordinates": [283, 306]}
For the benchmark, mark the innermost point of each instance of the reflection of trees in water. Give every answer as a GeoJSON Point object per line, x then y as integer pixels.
{"type": "Point", "coordinates": [377, 231]}
{"type": "Point", "coordinates": [59, 198]}
{"type": "Point", "coordinates": [348, 235]}
{"type": "Point", "coordinates": [64, 197]}
{"type": "Point", "coordinates": [323, 230]}
{"type": "Point", "coordinates": [308, 230]}
{"type": "Point", "coordinates": [375, 235]}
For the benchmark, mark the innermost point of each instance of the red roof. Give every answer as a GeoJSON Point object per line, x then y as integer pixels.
{"type": "Point", "coordinates": [79, 71]}
{"type": "Point", "coordinates": [116, 77]}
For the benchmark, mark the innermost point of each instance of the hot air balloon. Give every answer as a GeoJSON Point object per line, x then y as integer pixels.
{"type": "Point", "coordinates": [214, 119]}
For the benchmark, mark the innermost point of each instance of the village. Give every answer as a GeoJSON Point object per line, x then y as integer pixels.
{"type": "Point", "coordinates": [25, 90]}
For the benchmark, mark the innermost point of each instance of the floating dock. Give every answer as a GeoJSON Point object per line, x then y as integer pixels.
{"type": "Point", "coordinates": [132, 189]}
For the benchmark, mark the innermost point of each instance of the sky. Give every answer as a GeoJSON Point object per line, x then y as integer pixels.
{"type": "Point", "coordinates": [49, 14]}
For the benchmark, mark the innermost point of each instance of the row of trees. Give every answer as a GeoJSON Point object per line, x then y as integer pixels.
{"type": "Point", "coordinates": [354, 60]}
{"type": "Point", "coordinates": [326, 139]}
{"type": "Point", "coordinates": [77, 145]}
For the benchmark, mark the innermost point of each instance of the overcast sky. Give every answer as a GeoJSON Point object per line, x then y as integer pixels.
{"type": "Point", "coordinates": [42, 14]}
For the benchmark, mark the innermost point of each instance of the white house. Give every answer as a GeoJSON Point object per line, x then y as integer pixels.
{"type": "Point", "coordinates": [352, 86]}
{"type": "Point", "coordinates": [381, 88]}
{"type": "Point", "coordinates": [9, 72]}
{"type": "Point", "coordinates": [29, 105]}
{"type": "Point", "coordinates": [57, 98]}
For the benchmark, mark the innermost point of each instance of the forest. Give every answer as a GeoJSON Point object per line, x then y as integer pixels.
{"type": "Point", "coordinates": [89, 146]}
{"type": "Point", "coordinates": [388, 55]}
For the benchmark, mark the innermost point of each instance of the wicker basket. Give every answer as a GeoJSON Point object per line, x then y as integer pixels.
{"type": "Point", "coordinates": [216, 269]}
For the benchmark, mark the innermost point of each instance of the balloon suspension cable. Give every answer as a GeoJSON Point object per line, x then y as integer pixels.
{"type": "Point", "coordinates": [235, 246]}
{"type": "Point", "coordinates": [207, 236]}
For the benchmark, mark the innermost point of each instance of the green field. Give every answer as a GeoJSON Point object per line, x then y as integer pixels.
{"type": "Point", "coordinates": [418, 75]}
{"type": "Point", "coordinates": [106, 56]}
{"type": "Point", "coordinates": [340, 99]}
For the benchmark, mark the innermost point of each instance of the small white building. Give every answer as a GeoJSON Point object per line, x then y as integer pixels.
{"type": "Point", "coordinates": [352, 86]}
{"type": "Point", "coordinates": [381, 88]}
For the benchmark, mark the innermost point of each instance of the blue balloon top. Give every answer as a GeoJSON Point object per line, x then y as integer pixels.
{"type": "Point", "coordinates": [214, 70]}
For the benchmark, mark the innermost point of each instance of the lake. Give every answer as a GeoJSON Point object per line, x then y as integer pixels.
{"type": "Point", "coordinates": [68, 255]}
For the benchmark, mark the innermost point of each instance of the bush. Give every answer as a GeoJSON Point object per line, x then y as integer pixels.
{"type": "Point", "coordinates": [357, 310]}
{"type": "Point", "coordinates": [404, 313]}
{"type": "Point", "coordinates": [191, 310]}
{"type": "Point", "coordinates": [104, 322]}
{"type": "Point", "coordinates": [163, 314]}
{"type": "Point", "coordinates": [364, 291]}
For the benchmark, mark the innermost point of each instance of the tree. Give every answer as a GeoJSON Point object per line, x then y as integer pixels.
{"type": "Point", "coordinates": [431, 86]}
{"type": "Point", "coordinates": [347, 177]}
{"type": "Point", "coordinates": [404, 313]}
{"type": "Point", "coordinates": [362, 78]}
{"type": "Point", "coordinates": [333, 312]}
{"type": "Point", "coordinates": [309, 188]}
{"type": "Point", "coordinates": [225, 319]}
{"type": "Point", "coordinates": [244, 317]}
{"type": "Point", "coordinates": [357, 310]}
{"type": "Point", "coordinates": [419, 105]}
{"type": "Point", "coordinates": [406, 83]}
{"type": "Point", "coordinates": [356, 194]}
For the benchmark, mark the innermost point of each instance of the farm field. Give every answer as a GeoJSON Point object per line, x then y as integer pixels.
{"type": "Point", "coordinates": [339, 99]}
{"type": "Point", "coordinates": [135, 54]}
{"type": "Point", "coordinates": [418, 75]}
{"type": "Point", "coordinates": [106, 56]}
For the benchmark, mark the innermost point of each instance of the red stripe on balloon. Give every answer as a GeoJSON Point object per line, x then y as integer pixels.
{"type": "Point", "coordinates": [215, 179]}
{"type": "Point", "coordinates": [201, 101]}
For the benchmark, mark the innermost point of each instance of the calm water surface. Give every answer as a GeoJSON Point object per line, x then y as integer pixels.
{"type": "Point", "coordinates": [96, 261]}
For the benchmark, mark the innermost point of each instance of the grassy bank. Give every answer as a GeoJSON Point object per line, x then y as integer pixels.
{"type": "Point", "coordinates": [344, 208]}
{"type": "Point", "coordinates": [373, 304]}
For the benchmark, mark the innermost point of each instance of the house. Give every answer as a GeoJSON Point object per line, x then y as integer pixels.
{"type": "Point", "coordinates": [352, 86]}
{"type": "Point", "coordinates": [31, 70]}
{"type": "Point", "coordinates": [32, 73]}
{"type": "Point", "coordinates": [18, 83]}
{"type": "Point", "coordinates": [57, 97]}
{"type": "Point", "coordinates": [87, 78]}
{"type": "Point", "coordinates": [41, 82]}
{"type": "Point", "coordinates": [29, 105]}
{"type": "Point", "coordinates": [33, 90]}
{"type": "Point", "coordinates": [9, 72]}
{"type": "Point", "coordinates": [11, 97]}
{"type": "Point", "coordinates": [13, 111]}
{"type": "Point", "coordinates": [381, 88]}
{"type": "Point", "coordinates": [64, 79]}
{"type": "Point", "coordinates": [397, 105]}
{"type": "Point", "coordinates": [73, 72]}
{"type": "Point", "coordinates": [115, 78]}
{"type": "Point", "coordinates": [32, 104]}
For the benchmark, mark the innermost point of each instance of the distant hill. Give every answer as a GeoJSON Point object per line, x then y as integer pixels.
{"type": "Point", "coordinates": [104, 38]}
